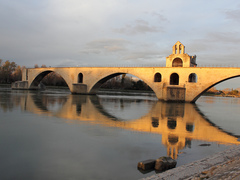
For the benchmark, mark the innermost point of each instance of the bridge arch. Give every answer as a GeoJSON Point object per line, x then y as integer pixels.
{"type": "Point", "coordinates": [210, 85]}
{"type": "Point", "coordinates": [40, 76]}
{"type": "Point", "coordinates": [100, 82]}
{"type": "Point", "coordinates": [95, 87]}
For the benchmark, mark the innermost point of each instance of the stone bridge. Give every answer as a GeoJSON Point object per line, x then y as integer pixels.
{"type": "Point", "coordinates": [180, 80]}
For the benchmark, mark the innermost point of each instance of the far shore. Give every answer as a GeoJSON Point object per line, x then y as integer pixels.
{"type": "Point", "coordinates": [101, 91]}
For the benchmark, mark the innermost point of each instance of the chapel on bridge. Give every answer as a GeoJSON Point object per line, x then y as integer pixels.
{"type": "Point", "coordinates": [179, 58]}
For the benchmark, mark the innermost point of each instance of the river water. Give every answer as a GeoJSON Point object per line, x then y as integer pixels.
{"type": "Point", "coordinates": [55, 135]}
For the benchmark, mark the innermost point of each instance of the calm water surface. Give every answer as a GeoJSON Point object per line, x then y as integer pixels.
{"type": "Point", "coordinates": [56, 135]}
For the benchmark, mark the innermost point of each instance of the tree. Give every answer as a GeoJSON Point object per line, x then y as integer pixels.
{"type": "Point", "coordinates": [17, 74]}
{"type": "Point", "coordinates": [233, 92]}
{"type": "Point", "coordinates": [6, 71]}
{"type": "Point", "coordinates": [9, 72]}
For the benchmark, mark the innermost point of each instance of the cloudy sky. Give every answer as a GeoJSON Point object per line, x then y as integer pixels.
{"type": "Point", "coordinates": [124, 32]}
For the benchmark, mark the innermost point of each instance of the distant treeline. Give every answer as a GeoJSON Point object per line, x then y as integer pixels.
{"type": "Point", "coordinates": [225, 92]}
{"type": "Point", "coordinates": [125, 82]}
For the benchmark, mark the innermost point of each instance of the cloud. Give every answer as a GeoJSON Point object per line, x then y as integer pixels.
{"type": "Point", "coordinates": [145, 58]}
{"type": "Point", "coordinates": [142, 55]}
{"type": "Point", "coordinates": [123, 51]}
{"type": "Point", "coordinates": [159, 16]}
{"type": "Point", "coordinates": [217, 49]}
{"type": "Point", "coordinates": [222, 38]}
{"type": "Point", "coordinates": [68, 63]}
{"type": "Point", "coordinates": [106, 46]}
{"type": "Point", "coordinates": [87, 32]}
{"type": "Point", "coordinates": [233, 14]}
{"type": "Point", "coordinates": [138, 27]}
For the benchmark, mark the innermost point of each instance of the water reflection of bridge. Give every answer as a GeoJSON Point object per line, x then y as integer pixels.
{"type": "Point", "coordinates": [178, 123]}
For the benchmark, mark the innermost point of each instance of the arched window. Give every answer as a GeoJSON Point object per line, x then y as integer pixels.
{"type": "Point", "coordinates": [157, 77]}
{"type": "Point", "coordinates": [174, 79]}
{"type": "Point", "coordinates": [192, 78]}
{"type": "Point", "coordinates": [177, 62]}
{"type": "Point", "coordinates": [80, 78]}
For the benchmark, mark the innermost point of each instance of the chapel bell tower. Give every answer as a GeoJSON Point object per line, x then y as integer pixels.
{"type": "Point", "coordinates": [179, 58]}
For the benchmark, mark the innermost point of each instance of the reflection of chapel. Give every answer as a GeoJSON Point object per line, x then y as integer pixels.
{"type": "Point", "coordinates": [179, 58]}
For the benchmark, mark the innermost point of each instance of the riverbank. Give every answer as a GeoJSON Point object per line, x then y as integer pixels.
{"type": "Point", "coordinates": [222, 165]}
{"type": "Point", "coordinates": [5, 85]}
{"type": "Point", "coordinates": [127, 91]}
{"type": "Point", "coordinates": [221, 95]}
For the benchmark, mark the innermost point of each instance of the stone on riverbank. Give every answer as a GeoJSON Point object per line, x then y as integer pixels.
{"type": "Point", "coordinates": [165, 163]}
{"type": "Point", "coordinates": [147, 164]}
{"type": "Point", "coordinates": [160, 164]}
{"type": "Point", "coordinates": [222, 165]}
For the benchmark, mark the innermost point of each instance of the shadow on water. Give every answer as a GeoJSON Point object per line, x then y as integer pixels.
{"type": "Point", "coordinates": [178, 123]}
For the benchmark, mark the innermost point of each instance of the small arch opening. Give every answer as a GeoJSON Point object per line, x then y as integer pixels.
{"type": "Point", "coordinates": [172, 123]}
{"type": "Point", "coordinates": [172, 139]}
{"type": "Point", "coordinates": [188, 142]}
{"type": "Point", "coordinates": [78, 109]}
{"type": "Point", "coordinates": [189, 127]}
{"type": "Point", "coordinates": [177, 62]}
{"type": "Point", "coordinates": [157, 77]}
{"type": "Point", "coordinates": [26, 74]}
{"type": "Point", "coordinates": [192, 78]}
{"type": "Point", "coordinates": [155, 122]}
{"type": "Point", "coordinates": [80, 78]}
{"type": "Point", "coordinates": [174, 79]}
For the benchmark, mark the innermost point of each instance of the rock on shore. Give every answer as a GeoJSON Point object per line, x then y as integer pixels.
{"type": "Point", "coordinates": [222, 165]}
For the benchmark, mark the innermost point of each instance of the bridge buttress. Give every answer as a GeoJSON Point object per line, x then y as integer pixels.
{"type": "Point", "coordinates": [79, 88]}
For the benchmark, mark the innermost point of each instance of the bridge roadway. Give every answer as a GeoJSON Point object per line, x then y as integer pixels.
{"type": "Point", "coordinates": [168, 83]}
{"type": "Point", "coordinates": [178, 123]}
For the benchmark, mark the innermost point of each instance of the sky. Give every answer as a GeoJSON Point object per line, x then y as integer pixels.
{"type": "Point", "coordinates": [71, 33]}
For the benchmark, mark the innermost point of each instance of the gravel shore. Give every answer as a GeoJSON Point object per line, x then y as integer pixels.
{"type": "Point", "coordinates": [222, 165]}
